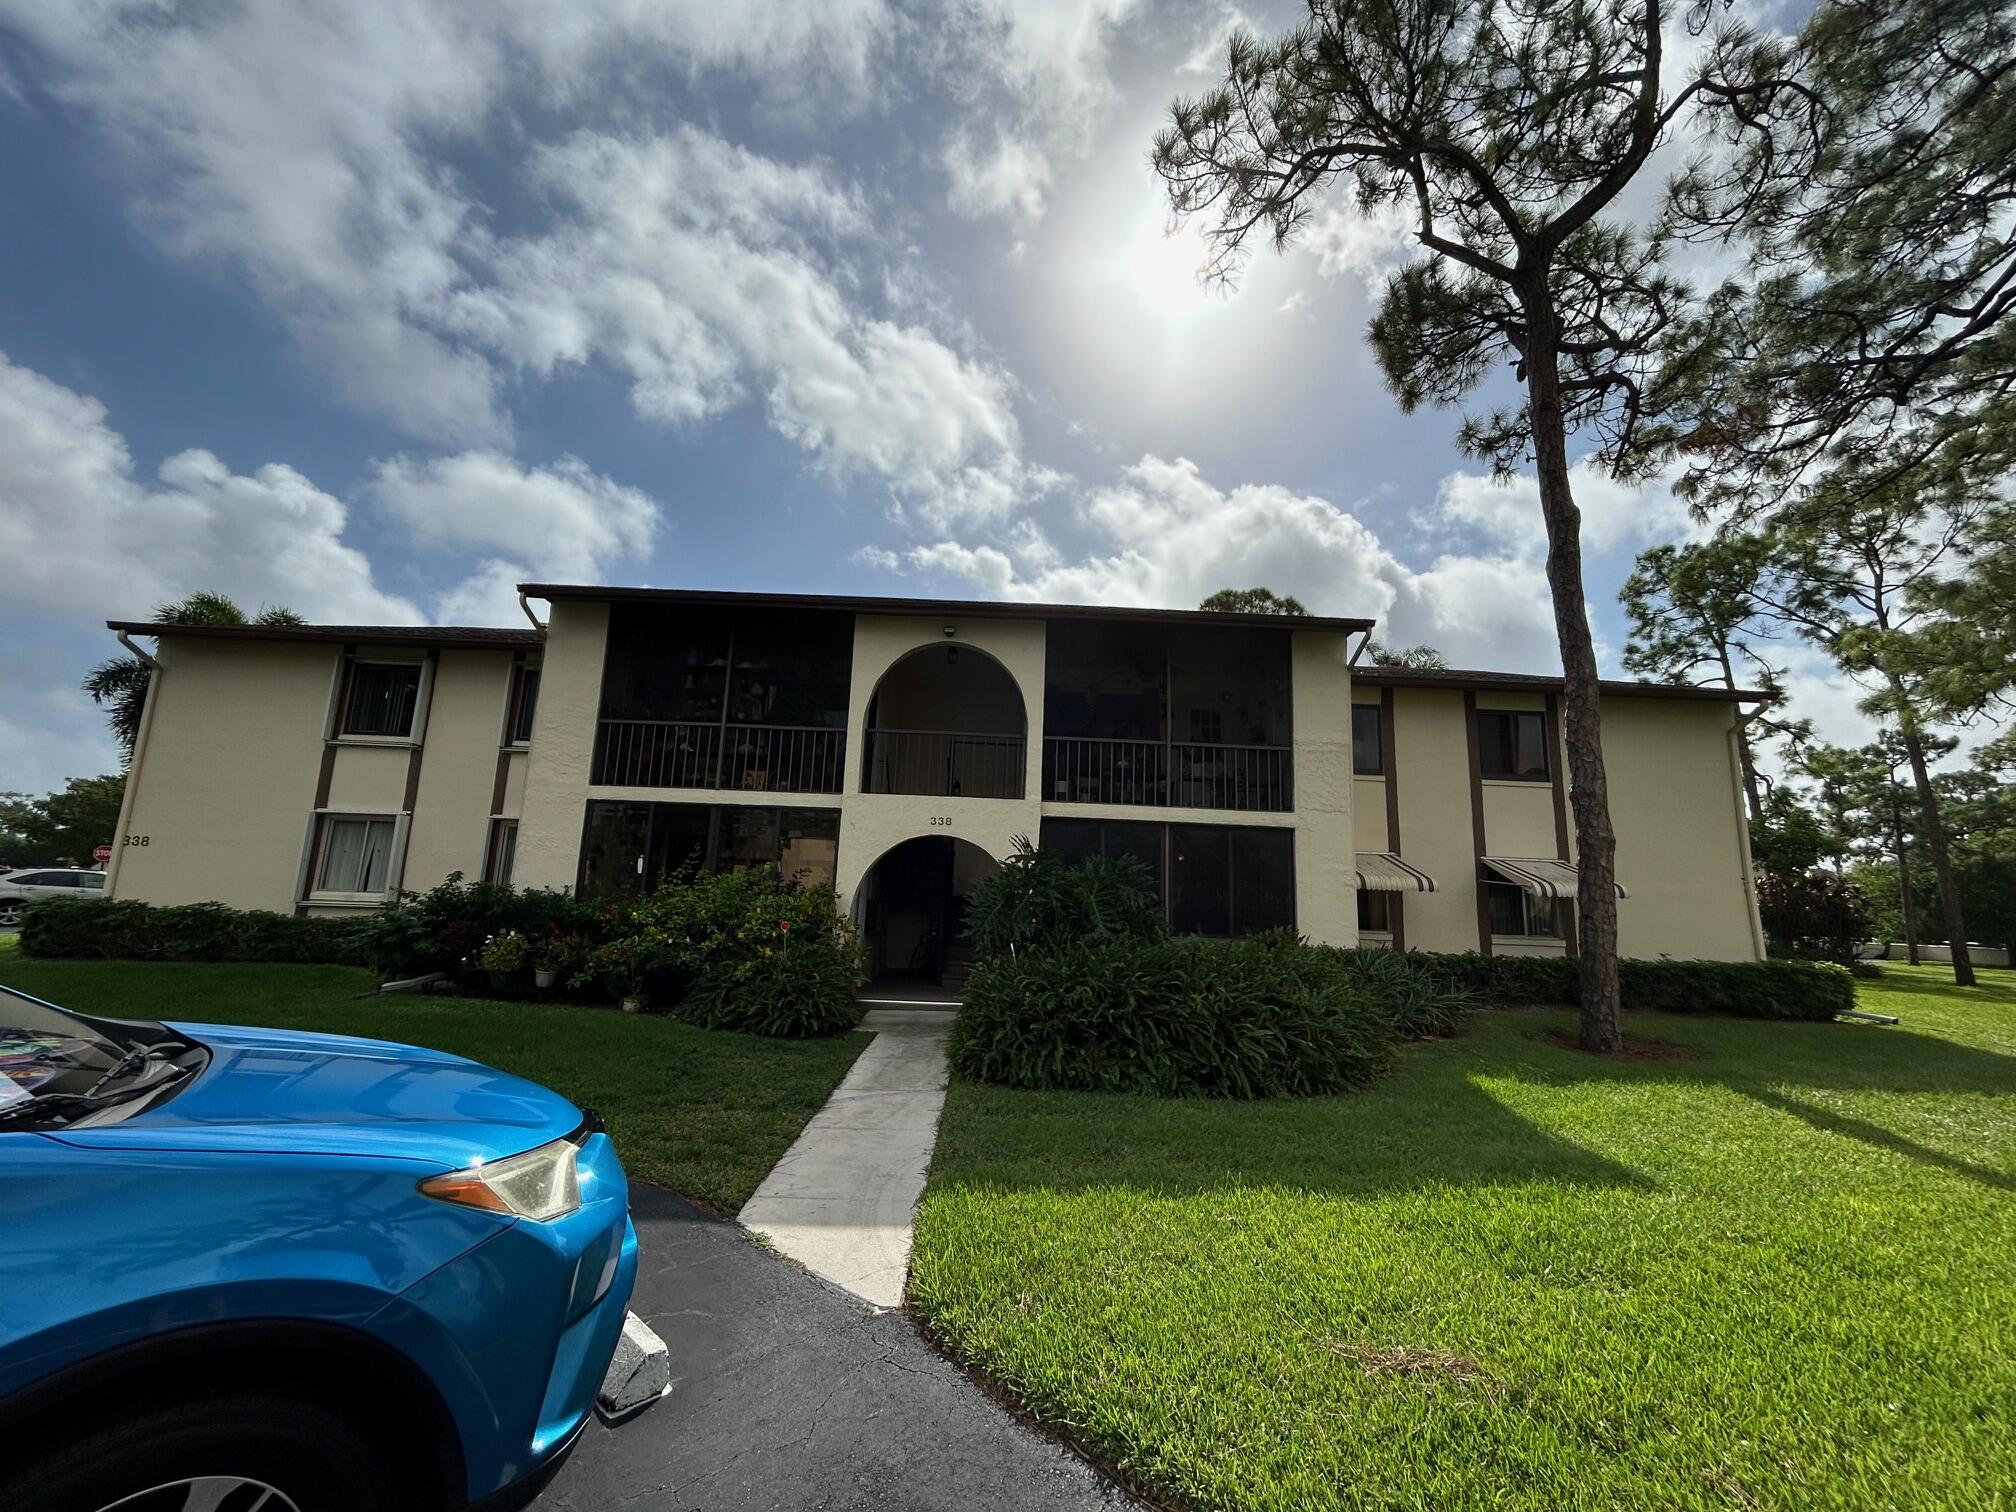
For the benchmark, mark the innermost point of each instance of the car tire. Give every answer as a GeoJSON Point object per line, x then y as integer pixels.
{"type": "Point", "coordinates": [10, 914]}
{"type": "Point", "coordinates": [314, 1457]}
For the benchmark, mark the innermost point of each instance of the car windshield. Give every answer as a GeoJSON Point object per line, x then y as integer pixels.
{"type": "Point", "coordinates": [50, 1055]}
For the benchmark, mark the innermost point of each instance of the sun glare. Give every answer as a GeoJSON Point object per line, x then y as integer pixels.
{"type": "Point", "coordinates": [1165, 269]}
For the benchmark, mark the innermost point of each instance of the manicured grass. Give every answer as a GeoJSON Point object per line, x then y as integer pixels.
{"type": "Point", "coordinates": [1781, 1274]}
{"type": "Point", "coordinates": [700, 1110]}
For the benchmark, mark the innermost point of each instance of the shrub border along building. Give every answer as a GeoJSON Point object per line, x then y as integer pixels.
{"type": "Point", "coordinates": [1814, 991]}
{"type": "Point", "coordinates": [120, 929]}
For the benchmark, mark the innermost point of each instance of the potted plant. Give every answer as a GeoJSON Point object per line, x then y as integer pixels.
{"type": "Point", "coordinates": [626, 963]}
{"type": "Point", "coordinates": [555, 953]}
{"type": "Point", "coordinates": [504, 956]}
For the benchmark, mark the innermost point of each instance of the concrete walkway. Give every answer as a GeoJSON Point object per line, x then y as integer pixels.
{"type": "Point", "coordinates": [840, 1201]}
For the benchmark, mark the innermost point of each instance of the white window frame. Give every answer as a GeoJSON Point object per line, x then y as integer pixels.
{"type": "Point", "coordinates": [423, 698]}
{"type": "Point", "coordinates": [507, 732]}
{"type": "Point", "coordinates": [312, 859]}
{"type": "Point", "coordinates": [1527, 903]}
{"type": "Point", "coordinates": [490, 833]}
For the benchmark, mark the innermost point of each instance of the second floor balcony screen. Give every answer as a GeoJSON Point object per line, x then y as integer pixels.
{"type": "Point", "coordinates": [746, 701]}
{"type": "Point", "coordinates": [946, 721]}
{"type": "Point", "coordinates": [1169, 717]}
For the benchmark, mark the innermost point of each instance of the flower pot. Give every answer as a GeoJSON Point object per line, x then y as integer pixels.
{"type": "Point", "coordinates": [503, 982]}
{"type": "Point", "coordinates": [633, 1005]}
{"type": "Point", "coordinates": [544, 977]}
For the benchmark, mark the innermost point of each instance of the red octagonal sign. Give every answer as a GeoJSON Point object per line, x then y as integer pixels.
{"type": "Point", "coordinates": [101, 854]}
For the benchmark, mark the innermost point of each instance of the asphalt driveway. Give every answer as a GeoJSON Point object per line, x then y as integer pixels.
{"type": "Point", "coordinates": [788, 1394]}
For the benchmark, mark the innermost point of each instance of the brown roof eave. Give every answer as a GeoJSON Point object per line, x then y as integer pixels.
{"type": "Point", "coordinates": [988, 609]}
{"type": "Point", "coordinates": [1456, 680]}
{"type": "Point", "coordinates": [422, 635]}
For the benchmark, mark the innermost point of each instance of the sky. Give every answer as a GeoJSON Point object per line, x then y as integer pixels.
{"type": "Point", "coordinates": [374, 309]}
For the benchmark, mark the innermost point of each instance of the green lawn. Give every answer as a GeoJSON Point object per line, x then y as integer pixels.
{"type": "Point", "coordinates": [703, 1111]}
{"type": "Point", "coordinates": [1781, 1274]}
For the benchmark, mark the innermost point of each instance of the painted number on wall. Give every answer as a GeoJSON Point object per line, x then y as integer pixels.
{"type": "Point", "coordinates": [138, 839]}
{"type": "Point", "coordinates": [941, 821]}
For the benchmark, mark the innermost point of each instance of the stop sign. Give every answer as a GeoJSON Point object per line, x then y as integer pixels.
{"type": "Point", "coordinates": [101, 854]}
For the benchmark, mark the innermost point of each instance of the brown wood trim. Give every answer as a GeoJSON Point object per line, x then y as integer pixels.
{"type": "Point", "coordinates": [503, 780]}
{"type": "Point", "coordinates": [1396, 906]}
{"type": "Point", "coordinates": [1557, 777]}
{"type": "Point", "coordinates": [1477, 818]}
{"type": "Point", "coordinates": [325, 778]}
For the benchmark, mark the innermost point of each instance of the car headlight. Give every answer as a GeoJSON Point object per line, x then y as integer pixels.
{"type": "Point", "coordinates": [540, 1184]}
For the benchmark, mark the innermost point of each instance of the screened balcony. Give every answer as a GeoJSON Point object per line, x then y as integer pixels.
{"type": "Point", "coordinates": [946, 721]}
{"type": "Point", "coordinates": [706, 699]}
{"type": "Point", "coordinates": [1168, 717]}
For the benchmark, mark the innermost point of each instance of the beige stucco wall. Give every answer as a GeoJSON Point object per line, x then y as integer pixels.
{"type": "Point", "coordinates": [1682, 841]}
{"type": "Point", "coordinates": [872, 823]}
{"type": "Point", "coordinates": [1431, 757]}
{"type": "Point", "coordinates": [223, 788]}
{"type": "Point", "coordinates": [563, 745]}
{"type": "Point", "coordinates": [458, 767]}
{"type": "Point", "coordinates": [1326, 903]}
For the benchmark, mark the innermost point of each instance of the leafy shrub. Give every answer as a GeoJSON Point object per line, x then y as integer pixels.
{"type": "Point", "coordinates": [447, 926]}
{"type": "Point", "coordinates": [1422, 1002]}
{"type": "Point", "coordinates": [1176, 1018]}
{"type": "Point", "coordinates": [1867, 970]}
{"type": "Point", "coordinates": [1812, 916]}
{"type": "Point", "coordinates": [787, 967]}
{"type": "Point", "coordinates": [1039, 901]}
{"type": "Point", "coordinates": [1812, 990]}
{"type": "Point", "coordinates": [123, 929]}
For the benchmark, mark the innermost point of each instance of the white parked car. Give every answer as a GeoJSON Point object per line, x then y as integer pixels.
{"type": "Point", "coordinates": [34, 883]}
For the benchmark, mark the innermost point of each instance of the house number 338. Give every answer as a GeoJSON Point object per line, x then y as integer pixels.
{"type": "Point", "coordinates": [941, 821]}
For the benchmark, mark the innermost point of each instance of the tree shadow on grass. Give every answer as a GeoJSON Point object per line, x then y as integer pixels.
{"type": "Point", "coordinates": [1417, 1132]}
{"type": "Point", "coordinates": [1437, 1123]}
{"type": "Point", "coordinates": [1770, 1063]}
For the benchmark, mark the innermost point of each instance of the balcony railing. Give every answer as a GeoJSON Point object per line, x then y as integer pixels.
{"type": "Point", "coordinates": [1255, 779]}
{"type": "Point", "coordinates": [675, 753]}
{"type": "Point", "coordinates": [944, 763]}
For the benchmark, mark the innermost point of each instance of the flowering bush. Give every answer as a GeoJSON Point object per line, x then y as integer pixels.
{"type": "Point", "coordinates": [787, 966]}
{"type": "Point", "coordinates": [507, 950]}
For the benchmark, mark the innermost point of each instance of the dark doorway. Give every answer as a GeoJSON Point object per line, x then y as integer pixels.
{"type": "Point", "coordinates": [913, 912]}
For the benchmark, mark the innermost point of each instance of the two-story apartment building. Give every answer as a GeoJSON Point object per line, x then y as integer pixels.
{"type": "Point", "coordinates": [895, 748]}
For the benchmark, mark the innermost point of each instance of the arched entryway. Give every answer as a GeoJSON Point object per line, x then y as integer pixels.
{"type": "Point", "coordinates": [910, 908]}
{"type": "Point", "coordinates": [946, 721]}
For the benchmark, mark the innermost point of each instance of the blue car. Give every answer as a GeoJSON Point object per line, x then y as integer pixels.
{"type": "Point", "coordinates": [246, 1268]}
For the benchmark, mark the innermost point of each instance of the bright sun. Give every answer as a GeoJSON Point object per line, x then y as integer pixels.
{"type": "Point", "coordinates": [1164, 269]}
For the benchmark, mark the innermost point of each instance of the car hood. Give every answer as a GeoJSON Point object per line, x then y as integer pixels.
{"type": "Point", "coordinates": [275, 1090]}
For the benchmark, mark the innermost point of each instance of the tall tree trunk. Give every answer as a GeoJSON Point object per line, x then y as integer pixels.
{"type": "Point", "coordinates": [1744, 758]}
{"type": "Point", "coordinates": [1935, 836]}
{"type": "Point", "coordinates": [1907, 906]}
{"type": "Point", "coordinates": [1582, 729]}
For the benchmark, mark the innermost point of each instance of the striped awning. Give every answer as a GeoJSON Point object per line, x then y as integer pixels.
{"type": "Point", "coordinates": [1541, 876]}
{"type": "Point", "coordinates": [1382, 871]}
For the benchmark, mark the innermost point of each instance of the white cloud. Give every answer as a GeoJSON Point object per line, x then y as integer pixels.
{"type": "Point", "coordinates": [1168, 537]}
{"type": "Point", "coordinates": [77, 527]}
{"type": "Point", "coordinates": [1347, 242]}
{"type": "Point", "coordinates": [565, 521]}
{"type": "Point", "coordinates": [880, 558]}
{"type": "Point", "coordinates": [316, 149]}
{"type": "Point", "coordinates": [1614, 514]}
{"type": "Point", "coordinates": [1036, 76]}
{"type": "Point", "coordinates": [1297, 303]}
{"type": "Point", "coordinates": [1208, 56]}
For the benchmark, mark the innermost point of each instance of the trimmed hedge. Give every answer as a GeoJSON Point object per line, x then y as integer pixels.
{"type": "Point", "coordinates": [121, 929]}
{"type": "Point", "coordinates": [1173, 1018]}
{"type": "Point", "coordinates": [1810, 990]}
